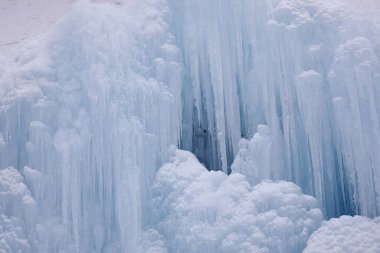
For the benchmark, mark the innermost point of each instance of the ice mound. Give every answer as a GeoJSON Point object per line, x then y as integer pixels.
{"type": "Point", "coordinates": [346, 234]}
{"type": "Point", "coordinates": [208, 211]}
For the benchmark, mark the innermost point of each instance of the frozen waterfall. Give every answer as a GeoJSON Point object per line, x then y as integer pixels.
{"type": "Point", "coordinates": [266, 91]}
{"type": "Point", "coordinates": [305, 69]}
{"type": "Point", "coordinates": [94, 112]}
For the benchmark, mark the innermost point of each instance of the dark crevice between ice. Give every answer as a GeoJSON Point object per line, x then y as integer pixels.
{"type": "Point", "coordinates": [198, 131]}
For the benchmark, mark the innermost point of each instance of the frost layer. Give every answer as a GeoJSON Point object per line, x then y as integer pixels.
{"type": "Point", "coordinates": [202, 211]}
{"type": "Point", "coordinates": [347, 234]}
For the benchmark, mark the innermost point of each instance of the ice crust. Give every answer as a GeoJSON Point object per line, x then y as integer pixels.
{"type": "Point", "coordinates": [281, 90]}
{"type": "Point", "coordinates": [206, 211]}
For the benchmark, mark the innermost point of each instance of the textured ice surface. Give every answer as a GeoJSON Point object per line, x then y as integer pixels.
{"type": "Point", "coordinates": [152, 242]}
{"type": "Point", "coordinates": [88, 112]}
{"type": "Point", "coordinates": [347, 234]}
{"type": "Point", "coordinates": [91, 112]}
{"type": "Point", "coordinates": [205, 211]}
{"type": "Point", "coordinates": [18, 212]}
{"type": "Point", "coordinates": [254, 159]}
{"type": "Point", "coordinates": [308, 70]}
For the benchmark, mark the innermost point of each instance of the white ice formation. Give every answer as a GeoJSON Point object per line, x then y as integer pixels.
{"type": "Point", "coordinates": [17, 213]}
{"type": "Point", "coordinates": [347, 234]}
{"type": "Point", "coordinates": [93, 112]}
{"type": "Point", "coordinates": [202, 211]}
{"type": "Point", "coordinates": [89, 111]}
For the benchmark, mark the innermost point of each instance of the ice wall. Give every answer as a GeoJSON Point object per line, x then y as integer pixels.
{"type": "Point", "coordinates": [308, 70]}
{"type": "Point", "coordinates": [92, 113]}
{"type": "Point", "coordinates": [87, 114]}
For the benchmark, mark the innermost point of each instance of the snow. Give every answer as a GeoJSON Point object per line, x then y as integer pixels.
{"type": "Point", "coordinates": [24, 19]}
{"type": "Point", "coordinates": [347, 234]}
{"type": "Point", "coordinates": [205, 211]}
